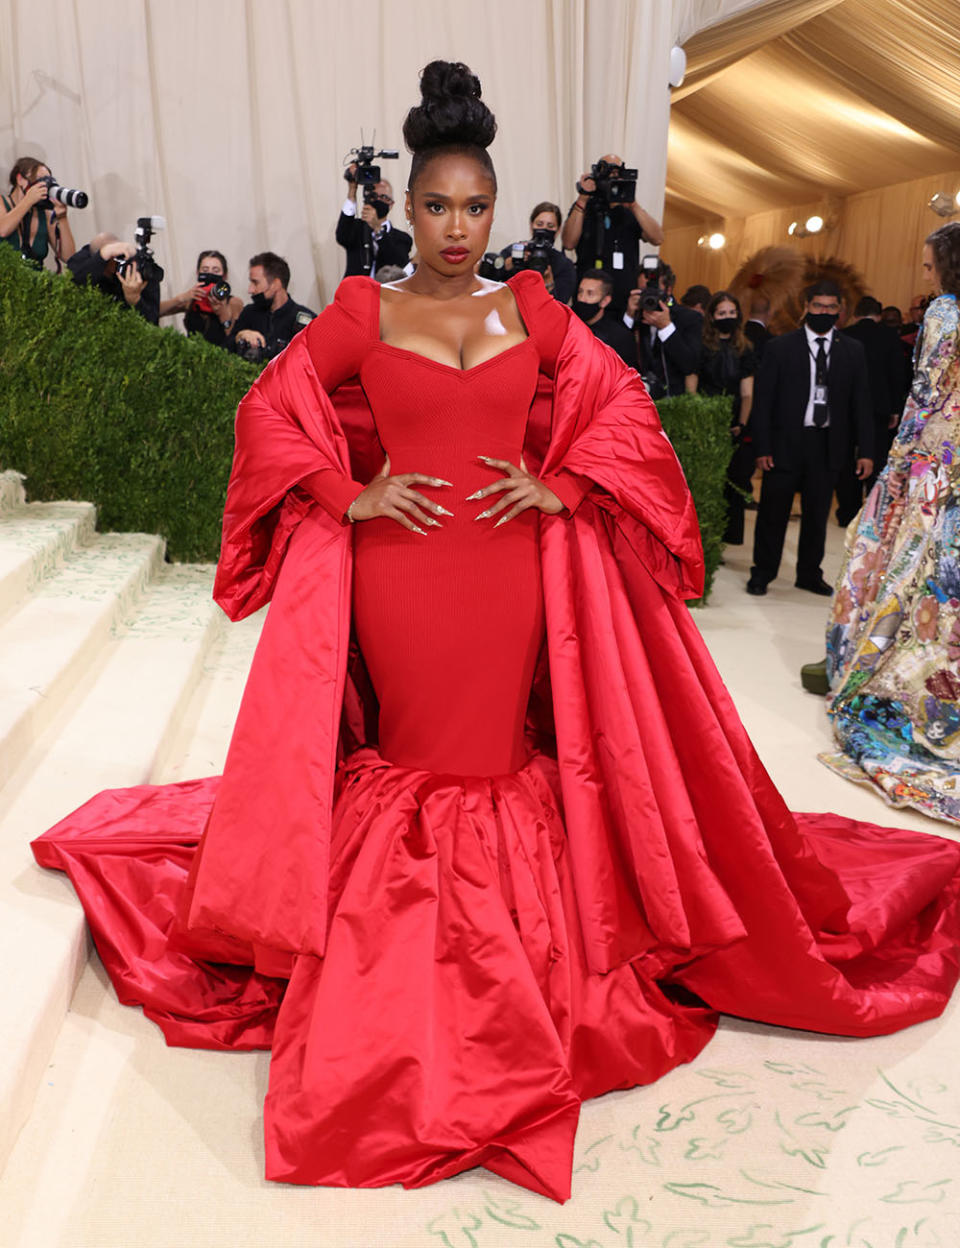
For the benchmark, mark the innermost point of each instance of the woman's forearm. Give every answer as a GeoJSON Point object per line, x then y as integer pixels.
{"type": "Point", "coordinates": [11, 219]}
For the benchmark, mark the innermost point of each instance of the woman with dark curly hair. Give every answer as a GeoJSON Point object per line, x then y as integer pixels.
{"type": "Point", "coordinates": [893, 641]}
{"type": "Point", "coordinates": [727, 366]}
{"type": "Point", "coordinates": [489, 824]}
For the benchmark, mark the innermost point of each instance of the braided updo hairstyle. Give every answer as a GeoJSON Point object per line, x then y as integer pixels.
{"type": "Point", "coordinates": [451, 118]}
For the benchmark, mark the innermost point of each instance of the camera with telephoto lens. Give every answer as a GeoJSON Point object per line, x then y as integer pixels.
{"type": "Point", "coordinates": [61, 195]}
{"type": "Point", "coordinates": [533, 254]}
{"type": "Point", "coordinates": [147, 267]}
{"type": "Point", "coordinates": [616, 184]}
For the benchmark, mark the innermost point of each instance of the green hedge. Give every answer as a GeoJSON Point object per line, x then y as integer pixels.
{"type": "Point", "coordinates": [96, 404]}
{"type": "Point", "coordinates": [699, 429]}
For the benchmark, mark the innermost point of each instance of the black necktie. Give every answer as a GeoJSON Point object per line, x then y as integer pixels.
{"type": "Point", "coordinates": [820, 378]}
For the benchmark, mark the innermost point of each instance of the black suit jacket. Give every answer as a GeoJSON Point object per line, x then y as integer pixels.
{"type": "Point", "coordinates": [664, 365]}
{"type": "Point", "coordinates": [393, 248]}
{"type": "Point", "coordinates": [881, 346]}
{"type": "Point", "coordinates": [780, 401]}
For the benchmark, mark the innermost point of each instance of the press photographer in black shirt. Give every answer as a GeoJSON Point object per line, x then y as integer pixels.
{"type": "Point", "coordinates": [561, 275]}
{"type": "Point", "coordinates": [271, 318]}
{"type": "Point", "coordinates": [203, 312]}
{"type": "Point", "coordinates": [369, 237]}
{"type": "Point", "coordinates": [668, 334]}
{"type": "Point", "coordinates": [105, 262]}
{"type": "Point", "coordinates": [606, 231]}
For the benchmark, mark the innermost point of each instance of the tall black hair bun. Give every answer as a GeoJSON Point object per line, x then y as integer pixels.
{"type": "Point", "coordinates": [450, 111]}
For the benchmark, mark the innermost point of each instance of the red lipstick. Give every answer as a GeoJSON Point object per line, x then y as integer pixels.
{"type": "Point", "coordinates": [455, 255]}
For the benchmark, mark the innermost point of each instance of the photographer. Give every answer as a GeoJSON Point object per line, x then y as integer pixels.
{"type": "Point", "coordinates": [592, 306]}
{"type": "Point", "coordinates": [370, 238]}
{"type": "Point", "coordinates": [560, 275]}
{"type": "Point", "coordinates": [205, 313]}
{"type": "Point", "coordinates": [29, 218]}
{"type": "Point", "coordinates": [668, 335]}
{"type": "Point", "coordinates": [101, 263]}
{"type": "Point", "coordinates": [271, 318]}
{"type": "Point", "coordinates": [606, 229]}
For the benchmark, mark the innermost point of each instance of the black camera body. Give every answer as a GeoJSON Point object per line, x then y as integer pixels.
{"type": "Point", "coordinates": [57, 194]}
{"type": "Point", "coordinates": [215, 284]}
{"type": "Point", "coordinates": [651, 296]}
{"type": "Point", "coordinates": [615, 183]}
{"type": "Point", "coordinates": [493, 267]}
{"type": "Point", "coordinates": [368, 174]}
{"type": "Point", "coordinates": [253, 352]}
{"type": "Point", "coordinates": [533, 254]}
{"type": "Point", "coordinates": [147, 267]}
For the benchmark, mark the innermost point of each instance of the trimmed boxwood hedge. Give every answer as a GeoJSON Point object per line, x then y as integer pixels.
{"type": "Point", "coordinates": [96, 404]}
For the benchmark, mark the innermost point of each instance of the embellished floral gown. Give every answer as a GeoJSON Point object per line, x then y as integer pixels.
{"type": "Point", "coordinates": [893, 642]}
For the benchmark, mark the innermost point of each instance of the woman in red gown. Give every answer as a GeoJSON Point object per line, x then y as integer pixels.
{"type": "Point", "coordinates": [490, 831]}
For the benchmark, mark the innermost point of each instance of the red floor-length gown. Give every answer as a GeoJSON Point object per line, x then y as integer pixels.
{"type": "Point", "coordinates": [453, 1019]}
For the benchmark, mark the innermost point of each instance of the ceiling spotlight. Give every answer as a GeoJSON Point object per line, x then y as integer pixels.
{"type": "Point", "coordinates": [813, 225]}
{"type": "Point", "coordinates": [943, 204]}
{"type": "Point", "coordinates": [792, 228]}
{"type": "Point", "coordinates": [716, 241]}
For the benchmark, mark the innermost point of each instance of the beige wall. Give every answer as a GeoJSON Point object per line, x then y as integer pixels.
{"type": "Point", "coordinates": [879, 232]}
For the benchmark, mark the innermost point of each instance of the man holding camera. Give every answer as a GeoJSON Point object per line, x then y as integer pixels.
{"type": "Point", "coordinates": [668, 334]}
{"type": "Point", "coordinates": [369, 238]}
{"type": "Point", "coordinates": [271, 318]}
{"type": "Point", "coordinates": [592, 306]}
{"type": "Point", "coordinates": [606, 226]}
{"type": "Point", "coordinates": [106, 262]}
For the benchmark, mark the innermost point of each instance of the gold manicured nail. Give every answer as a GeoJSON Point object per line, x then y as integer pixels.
{"type": "Point", "coordinates": [443, 511]}
{"type": "Point", "coordinates": [417, 529]}
{"type": "Point", "coordinates": [440, 481]}
{"type": "Point", "coordinates": [500, 521]}
{"type": "Point", "coordinates": [475, 494]}
{"type": "Point", "coordinates": [483, 515]}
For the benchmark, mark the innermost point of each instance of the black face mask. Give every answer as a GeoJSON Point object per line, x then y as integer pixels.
{"type": "Point", "coordinates": [822, 322]}
{"type": "Point", "coordinates": [260, 301]}
{"type": "Point", "coordinates": [381, 207]}
{"type": "Point", "coordinates": [586, 311]}
{"type": "Point", "coordinates": [726, 324]}
{"type": "Point", "coordinates": [209, 279]}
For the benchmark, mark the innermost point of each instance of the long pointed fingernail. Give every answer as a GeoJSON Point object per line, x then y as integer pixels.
{"type": "Point", "coordinates": [417, 529]}
{"type": "Point", "coordinates": [436, 523]}
{"type": "Point", "coordinates": [485, 458]}
{"type": "Point", "coordinates": [440, 481]}
{"type": "Point", "coordinates": [475, 494]}
{"type": "Point", "coordinates": [443, 511]}
{"type": "Point", "coordinates": [483, 514]}
{"type": "Point", "coordinates": [502, 520]}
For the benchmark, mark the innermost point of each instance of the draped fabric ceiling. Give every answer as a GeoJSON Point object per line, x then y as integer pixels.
{"type": "Point", "coordinates": [813, 100]}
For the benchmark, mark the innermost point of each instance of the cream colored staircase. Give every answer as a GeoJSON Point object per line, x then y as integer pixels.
{"type": "Point", "coordinates": [106, 656]}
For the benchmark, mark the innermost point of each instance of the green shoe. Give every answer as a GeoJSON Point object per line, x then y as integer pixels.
{"type": "Point", "coordinates": [813, 677]}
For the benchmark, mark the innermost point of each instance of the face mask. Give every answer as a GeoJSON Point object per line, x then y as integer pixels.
{"type": "Point", "coordinates": [260, 301]}
{"type": "Point", "coordinates": [381, 207]}
{"type": "Point", "coordinates": [209, 279]}
{"type": "Point", "coordinates": [725, 324]}
{"type": "Point", "coordinates": [586, 311]}
{"type": "Point", "coordinates": [822, 322]}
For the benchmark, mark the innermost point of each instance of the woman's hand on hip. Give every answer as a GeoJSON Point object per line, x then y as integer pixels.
{"type": "Point", "coordinates": [518, 490]}
{"type": "Point", "coordinates": [395, 498]}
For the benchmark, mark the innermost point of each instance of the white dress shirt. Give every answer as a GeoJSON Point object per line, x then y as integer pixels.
{"type": "Point", "coordinates": [808, 420]}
